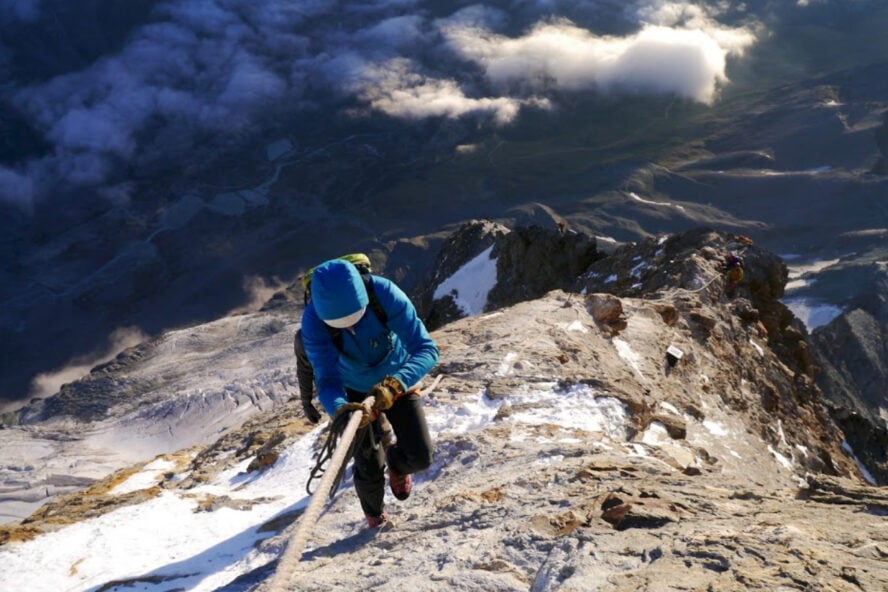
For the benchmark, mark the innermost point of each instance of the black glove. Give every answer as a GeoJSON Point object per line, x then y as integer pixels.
{"type": "Point", "coordinates": [311, 412]}
{"type": "Point", "coordinates": [386, 392]}
{"type": "Point", "coordinates": [349, 407]}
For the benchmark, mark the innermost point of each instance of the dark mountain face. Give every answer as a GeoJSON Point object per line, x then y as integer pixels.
{"type": "Point", "coordinates": [158, 158]}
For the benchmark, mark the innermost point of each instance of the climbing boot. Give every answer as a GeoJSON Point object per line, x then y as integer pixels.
{"type": "Point", "coordinates": [378, 521]}
{"type": "Point", "coordinates": [401, 485]}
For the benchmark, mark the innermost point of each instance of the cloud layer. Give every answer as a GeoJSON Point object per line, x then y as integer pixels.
{"type": "Point", "coordinates": [227, 66]}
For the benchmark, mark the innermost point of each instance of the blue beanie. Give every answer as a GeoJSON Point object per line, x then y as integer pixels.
{"type": "Point", "coordinates": [338, 293]}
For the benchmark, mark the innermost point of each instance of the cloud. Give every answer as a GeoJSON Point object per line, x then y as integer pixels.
{"type": "Point", "coordinates": [702, 17]}
{"type": "Point", "coordinates": [393, 32]}
{"type": "Point", "coordinates": [562, 56]}
{"type": "Point", "coordinates": [209, 69]}
{"type": "Point", "coordinates": [47, 384]}
{"type": "Point", "coordinates": [397, 89]}
{"type": "Point", "coordinates": [204, 68]}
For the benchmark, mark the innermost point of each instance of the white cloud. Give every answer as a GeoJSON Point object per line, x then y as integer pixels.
{"type": "Point", "coordinates": [210, 68]}
{"type": "Point", "coordinates": [49, 383]}
{"type": "Point", "coordinates": [686, 62]}
{"type": "Point", "coordinates": [701, 17]}
{"type": "Point", "coordinates": [397, 90]}
{"type": "Point", "coordinates": [224, 67]}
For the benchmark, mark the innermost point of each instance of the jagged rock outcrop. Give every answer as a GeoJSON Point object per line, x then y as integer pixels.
{"type": "Point", "coordinates": [530, 261]}
{"type": "Point", "coordinates": [852, 352]}
{"type": "Point", "coordinates": [684, 276]}
{"type": "Point", "coordinates": [468, 242]}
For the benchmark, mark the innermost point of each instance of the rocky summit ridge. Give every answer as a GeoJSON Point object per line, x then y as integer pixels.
{"type": "Point", "coordinates": [643, 425]}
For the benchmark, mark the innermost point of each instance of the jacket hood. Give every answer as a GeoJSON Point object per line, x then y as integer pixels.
{"type": "Point", "coordinates": [338, 293]}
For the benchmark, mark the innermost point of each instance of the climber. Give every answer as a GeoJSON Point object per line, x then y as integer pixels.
{"type": "Point", "coordinates": [734, 272]}
{"type": "Point", "coordinates": [304, 371]}
{"type": "Point", "coordinates": [355, 355]}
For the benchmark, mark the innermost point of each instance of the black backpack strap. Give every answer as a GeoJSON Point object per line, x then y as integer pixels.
{"type": "Point", "coordinates": [374, 303]}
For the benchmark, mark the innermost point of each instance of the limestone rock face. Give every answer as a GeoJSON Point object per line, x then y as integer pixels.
{"type": "Point", "coordinates": [571, 452]}
{"type": "Point", "coordinates": [471, 240]}
{"type": "Point", "coordinates": [853, 356]}
{"type": "Point", "coordinates": [534, 260]}
{"type": "Point", "coordinates": [530, 261]}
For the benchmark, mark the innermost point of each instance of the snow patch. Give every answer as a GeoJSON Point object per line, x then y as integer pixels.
{"type": "Point", "coordinates": [649, 202]}
{"type": "Point", "coordinates": [624, 350]}
{"type": "Point", "coordinates": [579, 407]}
{"type": "Point", "coordinates": [863, 470]}
{"type": "Point", "coordinates": [670, 408]}
{"type": "Point", "coordinates": [471, 284]}
{"type": "Point", "coordinates": [811, 313]}
{"type": "Point", "coordinates": [150, 475]}
{"type": "Point", "coordinates": [715, 427]}
{"type": "Point", "coordinates": [575, 326]}
{"type": "Point", "coordinates": [656, 435]}
{"type": "Point", "coordinates": [505, 367]}
{"type": "Point", "coordinates": [757, 347]}
{"type": "Point", "coordinates": [474, 414]}
{"type": "Point", "coordinates": [787, 464]}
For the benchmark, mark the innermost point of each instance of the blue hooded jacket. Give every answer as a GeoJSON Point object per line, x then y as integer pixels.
{"type": "Point", "coordinates": [370, 352]}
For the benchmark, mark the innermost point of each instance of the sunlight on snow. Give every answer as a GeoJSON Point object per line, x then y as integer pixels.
{"type": "Point", "coordinates": [471, 284]}
{"type": "Point", "coordinates": [626, 353]}
{"type": "Point", "coordinates": [811, 314]}
{"type": "Point", "coordinates": [149, 476]}
{"type": "Point", "coordinates": [200, 551]}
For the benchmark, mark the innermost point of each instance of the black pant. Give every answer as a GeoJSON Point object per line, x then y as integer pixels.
{"type": "Point", "coordinates": [304, 371]}
{"type": "Point", "coordinates": [411, 453]}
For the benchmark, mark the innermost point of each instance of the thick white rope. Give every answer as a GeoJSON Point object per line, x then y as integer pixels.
{"type": "Point", "coordinates": [283, 576]}
{"type": "Point", "coordinates": [286, 568]}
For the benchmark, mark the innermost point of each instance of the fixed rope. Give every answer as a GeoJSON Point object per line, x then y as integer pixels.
{"type": "Point", "coordinates": [337, 427]}
{"type": "Point", "coordinates": [287, 564]}
{"type": "Point", "coordinates": [283, 576]}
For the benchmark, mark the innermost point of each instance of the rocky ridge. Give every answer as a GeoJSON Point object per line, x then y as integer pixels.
{"type": "Point", "coordinates": [851, 352]}
{"type": "Point", "coordinates": [649, 429]}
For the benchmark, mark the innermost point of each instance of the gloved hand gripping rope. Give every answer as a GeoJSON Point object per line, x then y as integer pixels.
{"type": "Point", "coordinates": [334, 432]}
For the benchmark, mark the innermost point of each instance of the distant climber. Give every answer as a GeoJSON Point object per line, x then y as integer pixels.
{"type": "Point", "coordinates": [733, 272]}
{"type": "Point", "coordinates": [354, 355]}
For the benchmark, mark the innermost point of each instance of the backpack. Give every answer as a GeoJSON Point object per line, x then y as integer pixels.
{"type": "Point", "coordinates": [362, 262]}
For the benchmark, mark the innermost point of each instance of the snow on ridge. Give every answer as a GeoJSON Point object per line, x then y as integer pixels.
{"type": "Point", "coordinates": [578, 407]}
{"type": "Point", "coordinates": [470, 284]}
{"type": "Point", "coordinates": [626, 353]}
{"type": "Point", "coordinates": [812, 313]}
{"type": "Point", "coordinates": [147, 477]}
{"type": "Point", "coordinates": [649, 202]}
{"type": "Point", "coordinates": [201, 551]}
